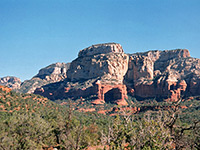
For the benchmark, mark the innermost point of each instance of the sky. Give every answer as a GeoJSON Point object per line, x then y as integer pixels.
{"type": "Point", "coordinates": [37, 33]}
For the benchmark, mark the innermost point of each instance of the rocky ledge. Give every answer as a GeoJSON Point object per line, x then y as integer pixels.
{"type": "Point", "coordinates": [101, 49]}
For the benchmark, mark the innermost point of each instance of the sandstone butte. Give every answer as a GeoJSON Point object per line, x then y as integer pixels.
{"type": "Point", "coordinates": [105, 73]}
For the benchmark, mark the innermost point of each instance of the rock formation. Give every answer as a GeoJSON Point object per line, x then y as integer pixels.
{"type": "Point", "coordinates": [162, 74]}
{"type": "Point", "coordinates": [11, 82]}
{"type": "Point", "coordinates": [99, 70]}
{"type": "Point", "coordinates": [50, 74]}
{"type": "Point", "coordinates": [101, 49]}
{"type": "Point", "coordinates": [106, 74]}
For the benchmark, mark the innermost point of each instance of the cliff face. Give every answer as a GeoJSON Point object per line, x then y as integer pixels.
{"type": "Point", "coordinates": [109, 68]}
{"type": "Point", "coordinates": [99, 70]}
{"type": "Point", "coordinates": [50, 74]}
{"type": "Point", "coordinates": [160, 74]}
{"type": "Point", "coordinates": [108, 74]}
{"type": "Point", "coordinates": [54, 72]}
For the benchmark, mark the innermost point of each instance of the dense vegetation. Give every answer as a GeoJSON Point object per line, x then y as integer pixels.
{"type": "Point", "coordinates": [30, 121]}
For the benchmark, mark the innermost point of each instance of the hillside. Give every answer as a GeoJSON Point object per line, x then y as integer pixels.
{"type": "Point", "coordinates": [29, 121]}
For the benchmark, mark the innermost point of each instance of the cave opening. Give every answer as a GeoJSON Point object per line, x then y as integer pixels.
{"type": "Point", "coordinates": [112, 95]}
{"type": "Point", "coordinates": [172, 87]}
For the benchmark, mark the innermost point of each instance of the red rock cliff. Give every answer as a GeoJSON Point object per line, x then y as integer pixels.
{"type": "Point", "coordinates": [105, 71]}
{"type": "Point", "coordinates": [163, 74]}
{"type": "Point", "coordinates": [99, 70]}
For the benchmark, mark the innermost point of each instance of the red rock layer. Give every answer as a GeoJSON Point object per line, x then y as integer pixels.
{"type": "Point", "coordinates": [167, 74]}
{"type": "Point", "coordinates": [105, 93]}
{"type": "Point", "coordinates": [112, 93]}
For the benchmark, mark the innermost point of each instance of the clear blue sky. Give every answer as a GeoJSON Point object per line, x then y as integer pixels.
{"type": "Point", "coordinates": [36, 33]}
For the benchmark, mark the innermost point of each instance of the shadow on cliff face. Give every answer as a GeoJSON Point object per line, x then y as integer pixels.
{"type": "Point", "coordinates": [112, 95]}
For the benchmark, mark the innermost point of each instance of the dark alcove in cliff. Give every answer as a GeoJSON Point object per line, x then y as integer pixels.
{"type": "Point", "coordinates": [113, 95]}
